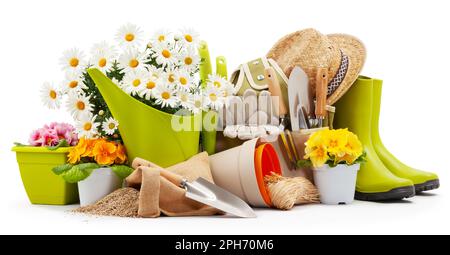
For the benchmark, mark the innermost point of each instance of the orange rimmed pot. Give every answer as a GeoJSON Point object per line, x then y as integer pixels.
{"type": "Point", "coordinates": [241, 170]}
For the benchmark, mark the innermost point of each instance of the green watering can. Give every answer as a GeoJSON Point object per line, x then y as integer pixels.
{"type": "Point", "coordinates": [147, 132]}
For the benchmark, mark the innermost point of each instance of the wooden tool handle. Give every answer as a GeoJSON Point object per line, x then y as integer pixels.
{"type": "Point", "coordinates": [172, 177]}
{"type": "Point", "coordinates": [321, 92]}
{"type": "Point", "coordinates": [275, 90]}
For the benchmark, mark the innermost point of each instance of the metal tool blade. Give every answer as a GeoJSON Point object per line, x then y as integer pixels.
{"type": "Point", "coordinates": [203, 191]}
{"type": "Point", "coordinates": [300, 95]}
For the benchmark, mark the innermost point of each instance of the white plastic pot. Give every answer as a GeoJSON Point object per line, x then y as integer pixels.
{"type": "Point", "coordinates": [100, 183]}
{"type": "Point", "coordinates": [336, 185]}
{"type": "Point", "coordinates": [241, 170]}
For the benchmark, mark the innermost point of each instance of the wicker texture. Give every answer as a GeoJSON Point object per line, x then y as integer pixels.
{"type": "Point", "coordinates": [310, 50]}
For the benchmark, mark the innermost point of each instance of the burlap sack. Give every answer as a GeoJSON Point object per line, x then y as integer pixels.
{"type": "Point", "coordinates": [158, 195]}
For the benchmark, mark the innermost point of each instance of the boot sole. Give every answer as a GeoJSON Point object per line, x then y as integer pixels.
{"type": "Point", "coordinates": [394, 194]}
{"type": "Point", "coordinates": [429, 185]}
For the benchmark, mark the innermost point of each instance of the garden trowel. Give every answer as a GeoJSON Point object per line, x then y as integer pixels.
{"type": "Point", "coordinates": [205, 192]}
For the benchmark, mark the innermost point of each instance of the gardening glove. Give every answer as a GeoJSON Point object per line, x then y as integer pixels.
{"type": "Point", "coordinates": [250, 116]}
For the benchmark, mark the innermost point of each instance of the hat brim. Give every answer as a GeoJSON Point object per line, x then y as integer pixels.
{"type": "Point", "coordinates": [356, 52]}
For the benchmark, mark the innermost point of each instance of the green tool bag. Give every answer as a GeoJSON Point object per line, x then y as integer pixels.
{"type": "Point", "coordinates": [251, 76]}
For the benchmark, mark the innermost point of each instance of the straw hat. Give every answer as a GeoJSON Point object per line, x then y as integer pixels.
{"type": "Point", "coordinates": [342, 54]}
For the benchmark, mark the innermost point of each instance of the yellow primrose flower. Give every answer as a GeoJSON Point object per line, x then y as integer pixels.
{"type": "Point", "coordinates": [319, 156]}
{"type": "Point", "coordinates": [335, 146]}
{"type": "Point", "coordinates": [335, 141]}
{"type": "Point", "coordinates": [353, 146]}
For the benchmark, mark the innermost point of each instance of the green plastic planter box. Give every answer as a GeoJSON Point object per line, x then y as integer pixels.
{"type": "Point", "coordinates": [41, 184]}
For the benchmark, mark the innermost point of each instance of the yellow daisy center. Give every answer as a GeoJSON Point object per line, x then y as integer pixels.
{"type": "Point", "coordinates": [80, 105]}
{"type": "Point", "coordinates": [198, 103]}
{"type": "Point", "coordinates": [171, 78]}
{"type": "Point", "coordinates": [166, 53]}
{"type": "Point", "coordinates": [102, 62]}
{"type": "Point", "coordinates": [188, 38]}
{"type": "Point", "coordinates": [87, 126]}
{"type": "Point", "coordinates": [183, 81]}
{"type": "Point", "coordinates": [52, 94]}
{"type": "Point", "coordinates": [151, 84]}
{"type": "Point", "coordinates": [184, 98]}
{"type": "Point", "coordinates": [217, 84]}
{"type": "Point", "coordinates": [188, 60]}
{"type": "Point", "coordinates": [73, 62]}
{"type": "Point", "coordinates": [129, 37]}
{"type": "Point", "coordinates": [213, 97]}
{"type": "Point", "coordinates": [111, 125]}
{"type": "Point", "coordinates": [136, 82]}
{"type": "Point", "coordinates": [133, 63]}
{"type": "Point", "coordinates": [73, 84]}
{"type": "Point", "coordinates": [161, 38]}
{"type": "Point", "coordinates": [165, 95]}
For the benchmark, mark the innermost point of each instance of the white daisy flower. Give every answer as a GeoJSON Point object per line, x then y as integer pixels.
{"type": "Point", "coordinates": [165, 95]}
{"type": "Point", "coordinates": [229, 90]}
{"type": "Point", "coordinates": [110, 126]}
{"type": "Point", "coordinates": [50, 96]}
{"type": "Point", "coordinates": [103, 56]}
{"type": "Point", "coordinates": [161, 36]}
{"type": "Point", "coordinates": [151, 84]}
{"type": "Point", "coordinates": [186, 100]}
{"type": "Point", "coordinates": [213, 98]}
{"type": "Point", "coordinates": [190, 59]}
{"type": "Point", "coordinates": [72, 59]}
{"type": "Point", "coordinates": [117, 82]}
{"type": "Point", "coordinates": [78, 105]}
{"type": "Point", "coordinates": [217, 80]}
{"type": "Point", "coordinates": [169, 76]}
{"type": "Point", "coordinates": [189, 37]}
{"type": "Point", "coordinates": [165, 54]}
{"type": "Point", "coordinates": [132, 60]}
{"type": "Point", "coordinates": [155, 72]}
{"type": "Point", "coordinates": [135, 81]}
{"type": "Point", "coordinates": [198, 103]}
{"type": "Point", "coordinates": [183, 80]}
{"type": "Point", "coordinates": [73, 82]}
{"type": "Point", "coordinates": [129, 35]}
{"type": "Point", "coordinates": [87, 126]}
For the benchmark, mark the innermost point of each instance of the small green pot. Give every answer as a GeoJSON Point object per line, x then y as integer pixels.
{"type": "Point", "coordinates": [41, 184]}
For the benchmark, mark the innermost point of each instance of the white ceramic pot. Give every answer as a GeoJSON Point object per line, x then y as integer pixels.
{"type": "Point", "coordinates": [336, 185]}
{"type": "Point", "coordinates": [100, 183]}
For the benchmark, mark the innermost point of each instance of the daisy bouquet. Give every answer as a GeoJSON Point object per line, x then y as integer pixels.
{"type": "Point", "coordinates": [163, 74]}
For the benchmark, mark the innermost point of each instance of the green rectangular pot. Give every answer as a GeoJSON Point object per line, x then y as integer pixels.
{"type": "Point", "coordinates": [41, 184]}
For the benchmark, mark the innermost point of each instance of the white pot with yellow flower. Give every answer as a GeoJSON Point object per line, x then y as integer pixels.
{"type": "Point", "coordinates": [335, 156]}
{"type": "Point", "coordinates": [98, 166]}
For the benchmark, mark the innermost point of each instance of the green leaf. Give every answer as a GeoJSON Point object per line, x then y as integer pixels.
{"type": "Point", "coordinates": [304, 163]}
{"type": "Point", "coordinates": [79, 172]}
{"type": "Point", "coordinates": [87, 166]}
{"type": "Point", "coordinates": [62, 143]}
{"type": "Point", "coordinates": [58, 170]}
{"type": "Point", "coordinates": [122, 171]}
{"type": "Point", "coordinates": [20, 144]}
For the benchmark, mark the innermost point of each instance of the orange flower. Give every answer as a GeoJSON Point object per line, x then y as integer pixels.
{"type": "Point", "coordinates": [121, 155]}
{"type": "Point", "coordinates": [90, 143]}
{"type": "Point", "coordinates": [73, 156]}
{"type": "Point", "coordinates": [104, 152]}
{"type": "Point", "coordinates": [77, 152]}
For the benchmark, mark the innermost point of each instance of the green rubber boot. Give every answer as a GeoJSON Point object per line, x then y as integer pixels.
{"type": "Point", "coordinates": [375, 182]}
{"type": "Point", "coordinates": [422, 180]}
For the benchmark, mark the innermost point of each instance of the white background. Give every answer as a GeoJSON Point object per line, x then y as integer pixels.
{"type": "Point", "coordinates": [408, 46]}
